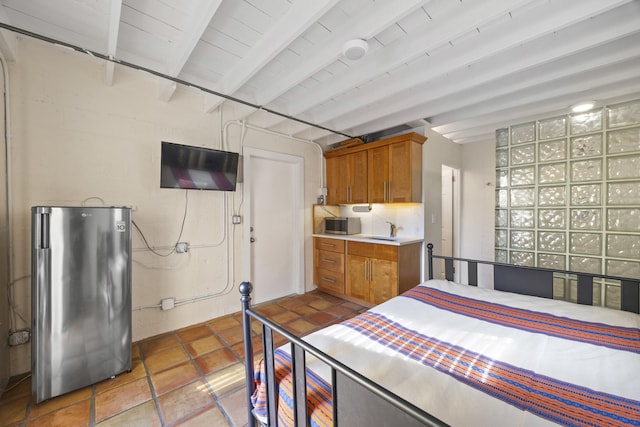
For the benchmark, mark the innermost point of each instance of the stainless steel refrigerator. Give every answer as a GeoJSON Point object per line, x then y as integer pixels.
{"type": "Point", "coordinates": [81, 297]}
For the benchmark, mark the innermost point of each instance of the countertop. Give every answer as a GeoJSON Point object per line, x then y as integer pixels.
{"type": "Point", "coordinates": [368, 238]}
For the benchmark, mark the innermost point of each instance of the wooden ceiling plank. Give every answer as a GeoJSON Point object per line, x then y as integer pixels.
{"type": "Point", "coordinates": [299, 17]}
{"type": "Point", "coordinates": [541, 86]}
{"type": "Point", "coordinates": [503, 117]}
{"type": "Point", "coordinates": [468, 59]}
{"type": "Point", "coordinates": [405, 49]}
{"type": "Point", "coordinates": [569, 93]}
{"type": "Point", "coordinates": [366, 25]}
{"type": "Point", "coordinates": [201, 15]}
{"type": "Point", "coordinates": [461, 18]}
{"type": "Point", "coordinates": [462, 92]}
{"type": "Point", "coordinates": [546, 108]}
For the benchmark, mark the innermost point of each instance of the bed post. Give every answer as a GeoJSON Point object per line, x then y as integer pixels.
{"type": "Point", "coordinates": [430, 259]}
{"type": "Point", "coordinates": [245, 291]}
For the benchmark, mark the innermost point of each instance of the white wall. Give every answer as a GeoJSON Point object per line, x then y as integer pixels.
{"type": "Point", "coordinates": [76, 138]}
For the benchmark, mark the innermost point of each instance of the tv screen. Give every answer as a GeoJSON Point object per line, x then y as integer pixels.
{"type": "Point", "coordinates": [196, 168]}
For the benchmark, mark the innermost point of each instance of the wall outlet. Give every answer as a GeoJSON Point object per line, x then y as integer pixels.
{"type": "Point", "coordinates": [182, 247]}
{"type": "Point", "coordinates": [168, 303]}
{"type": "Point", "coordinates": [19, 337]}
{"type": "Point", "coordinates": [236, 219]}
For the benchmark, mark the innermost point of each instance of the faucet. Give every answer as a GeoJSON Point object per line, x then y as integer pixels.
{"type": "Point", "coordinates": [393, 229]}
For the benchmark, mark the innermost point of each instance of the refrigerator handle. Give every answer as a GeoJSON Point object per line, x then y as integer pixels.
{"type": "Point", "coordinates": [44, 231]}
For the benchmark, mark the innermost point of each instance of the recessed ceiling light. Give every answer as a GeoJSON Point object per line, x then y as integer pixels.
{"type": "Point", "coordinates": [355, 49]}
{"type": "Point", "coordinates": [582, 106]}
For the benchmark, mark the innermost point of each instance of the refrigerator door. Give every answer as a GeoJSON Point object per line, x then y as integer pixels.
{"type": "Point", "coordinates": [81, 297]}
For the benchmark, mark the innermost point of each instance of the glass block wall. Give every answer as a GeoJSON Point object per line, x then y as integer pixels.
{"type": "Point", "coordinates": [568, 195]}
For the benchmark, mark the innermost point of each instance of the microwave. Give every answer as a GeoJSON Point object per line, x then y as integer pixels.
{"type": "Point", "coordinates": [342, 225]}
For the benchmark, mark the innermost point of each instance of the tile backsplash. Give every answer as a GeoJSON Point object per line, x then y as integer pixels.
{"type": "Point", "coordinates": [409, 218]}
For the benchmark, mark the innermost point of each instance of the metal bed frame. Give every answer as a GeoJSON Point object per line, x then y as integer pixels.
{"type": "Point", "coordinates": [357, 401]}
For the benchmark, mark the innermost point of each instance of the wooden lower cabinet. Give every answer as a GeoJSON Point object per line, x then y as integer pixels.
{"type": "Point", "coordinates": [367, 272]}
{"type": "Point", "coordinates": [370, 279]}
{"type": "Point", "coordinates": [328, 271]}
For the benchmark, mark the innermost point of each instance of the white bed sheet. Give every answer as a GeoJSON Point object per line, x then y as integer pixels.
{"type": "Point", "coordinates": [595, 367]}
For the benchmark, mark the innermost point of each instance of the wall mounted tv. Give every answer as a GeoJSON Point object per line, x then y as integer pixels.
{"type": "Point", "coordinates": [196, 168]}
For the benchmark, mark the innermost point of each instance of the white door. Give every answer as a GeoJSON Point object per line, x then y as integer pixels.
{"type": "Point", "coordinates": [274, 230]}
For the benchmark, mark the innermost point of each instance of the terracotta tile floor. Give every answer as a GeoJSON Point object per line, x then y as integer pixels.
{"type": "Point", "coordinates": [189, 377]}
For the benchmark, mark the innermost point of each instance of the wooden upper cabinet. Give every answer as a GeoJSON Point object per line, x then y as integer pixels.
{"type": "Point", "coordinates": [347, 178]}
{"type": "Point", "coordinates": [405, 172]}
{"type": "Point", "coordinates": [357, 171]}
{"type": "Point", "coordinates": [336, 182]}
{"type": "Point", "coordinates": [385, 171]}
{"type": "Point", "coordinates": [378, 174]}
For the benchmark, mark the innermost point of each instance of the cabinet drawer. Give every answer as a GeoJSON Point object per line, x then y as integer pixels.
{"type": "Point", "coordinates": [373, 250]}
{"type": "Point", "coordinates": [332, 261]}
{"type": "Point", "coordinates": [333, 245]}
{"type": "Point", "coordinates": [361, 249]}
{"type": "Point", "coordinates": [331, 281]}
{"type": "Point", "coordinates": [388, 252]}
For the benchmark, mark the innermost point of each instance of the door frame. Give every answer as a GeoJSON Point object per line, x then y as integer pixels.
{"type": "Point", "coordinates": [455, 214]}
{"type": "Point", "coordinates": [297, 242]}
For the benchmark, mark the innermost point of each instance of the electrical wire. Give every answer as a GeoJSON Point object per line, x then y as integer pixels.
{"type": "Point", "coordinates": [13, 321]}
{"type": "Point", "coordinates": [93, 197]}
{"type": "Point", "coordinates": [111, 58]}
{"type": "Point", "coordinates": [184, 217]}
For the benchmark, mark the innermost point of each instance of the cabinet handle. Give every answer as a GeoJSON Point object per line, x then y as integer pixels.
{"type": "Point", "coordinates": [366, 270]}
{"type": "Point", "coordinates": [328, 279]}
{"type": "Point", "coordinates": [350, 193]}
{"type": "Point", "coordinates": [331, 245]}
{"type": "Point", "coordinates": [370, 270]}
{"type": "Point", "coordinates": [330, 261]}
{"type": "Point", "coordinates": [384, 188]}
{"type": "Point", "coordinates": [389, 185]}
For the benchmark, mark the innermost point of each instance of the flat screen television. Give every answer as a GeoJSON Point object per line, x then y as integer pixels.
{"type": "Point", "coordinates": [196, 168]}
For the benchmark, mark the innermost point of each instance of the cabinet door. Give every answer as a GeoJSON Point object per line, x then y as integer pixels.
{"type": "Point", "coordinates": [384, 280]}
{"type": "Point", "coordinates": [337, 180]}
{"type": "Point", "coordinates": [378, 174]}
{"type": "Point", "coordinates": [358, 177]}
{"type": "Point", "coordinates": [405, 165]}
{"type": "Point", "coordinates": [358, 277]}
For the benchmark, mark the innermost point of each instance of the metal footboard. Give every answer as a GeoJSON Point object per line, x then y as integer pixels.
{"type": "Point", "coordinates": [357, 401]}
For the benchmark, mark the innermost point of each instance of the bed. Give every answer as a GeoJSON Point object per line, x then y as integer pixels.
{"type": "Point", "coordinates": [445, 353]}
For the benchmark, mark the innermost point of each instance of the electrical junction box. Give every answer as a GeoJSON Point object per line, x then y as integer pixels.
{"type": "Point", "coordinates": [182, 247]}
{"type": "Point", "coordinates": [236, 219]}
{"type": "Point", "coordinates": [19, 337]}
{"type": "Point", "coordinates": [168, 303]}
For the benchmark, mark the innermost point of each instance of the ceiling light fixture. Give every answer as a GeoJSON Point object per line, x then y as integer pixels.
{"type": "Point", "coordinates": [355, 49]}
{"type": "Point", "coordinates": [583, 106]}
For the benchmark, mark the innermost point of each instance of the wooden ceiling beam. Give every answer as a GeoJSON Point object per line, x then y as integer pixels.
{"type": "Point", "coordinates": [202, 13]}
{"type": "Point", "coordinates": [112, 39]}
{"type": "Point", "coordinates": [8, 40]}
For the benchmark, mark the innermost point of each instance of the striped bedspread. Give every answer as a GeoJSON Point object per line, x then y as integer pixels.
{"type": "Point", "coordinates": [473, 356]}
